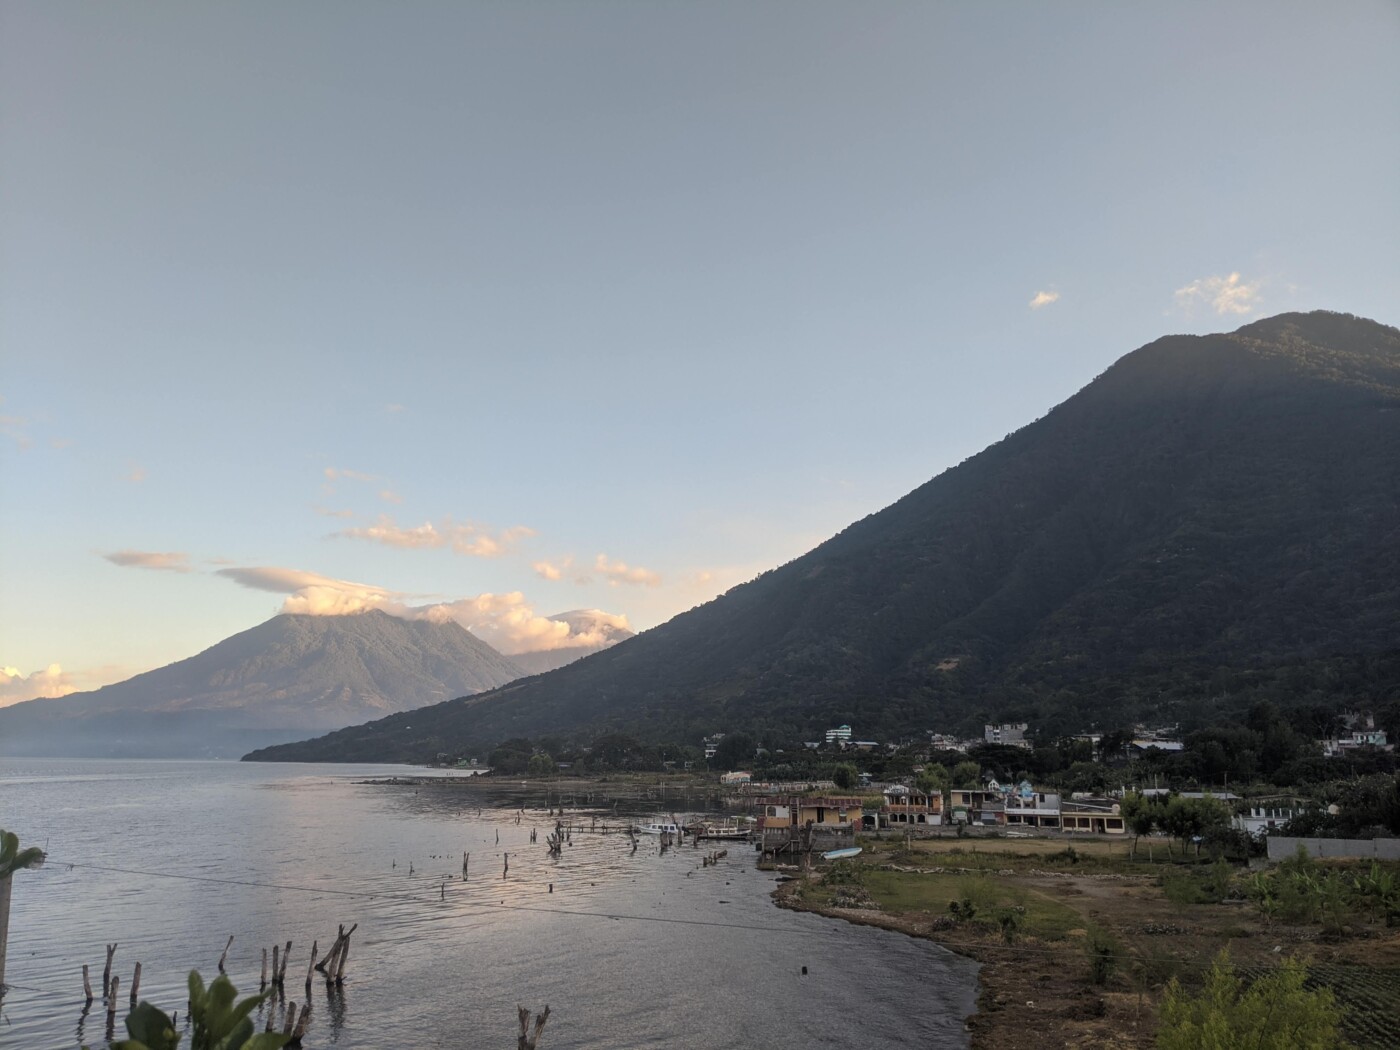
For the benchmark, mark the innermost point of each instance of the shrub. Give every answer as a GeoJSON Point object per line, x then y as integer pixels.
{"type": "Point", "coordinates": [1276, 1012]}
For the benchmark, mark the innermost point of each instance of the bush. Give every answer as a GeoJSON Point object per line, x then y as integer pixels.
{"type": "Point", "coordinates": [1276, 1012]}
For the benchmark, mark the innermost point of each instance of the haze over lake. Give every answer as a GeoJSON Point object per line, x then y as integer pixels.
{"type": "Point", "coordinates": [630, 950]}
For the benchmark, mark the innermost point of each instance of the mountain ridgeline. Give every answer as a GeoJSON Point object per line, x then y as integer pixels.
{"type": "Point", "coordinates": [1213, 520]}
{"type": "Point", "coordinates": [286, 679]}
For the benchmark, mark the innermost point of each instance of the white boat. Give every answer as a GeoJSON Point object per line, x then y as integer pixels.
{"type": "Point", "coordinates": [841, 854]}
{"type": "Point", "coordinates": [657, 827]}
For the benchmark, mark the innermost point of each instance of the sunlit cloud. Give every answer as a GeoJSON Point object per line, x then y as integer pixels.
{"type": "Point", "coordinates": [336, 473]}
{"type": "Point", "coordinates": [311, 593]}
{"type": "Point", "coordinates": [548, 570]}
{"type": "Point", "coordinates": [136, 474]}
{"type": "Point", "coordinates": [51, 682]}
{"type": "Point", "coordinates": [390, 496]}
{"type": "Point", "coordinates": [164, 561]}
{"type": "Point", "coordinates": [1224, 295]}
{"type": "Point", "coordinates": [617, 572]}
{"type": "Point", "coordinates": [326, 512]}
{"type": "Point", "coordinates": [460, 537]}
{"type": "Point", "coordinates": [393, 408]}
{"type": "Point", "coordinates": [507, 621]}
{"type": "Point", "coordinates": [1043, 299]}
{"type": "Point", "coordinates": [16, 428]}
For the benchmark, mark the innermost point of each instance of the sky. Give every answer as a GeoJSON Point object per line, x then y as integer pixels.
{"type": "Point", "coordinates": [495, 310]}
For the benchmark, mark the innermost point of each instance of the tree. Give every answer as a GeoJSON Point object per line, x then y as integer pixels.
{"type": "Point", "coordinates": [735, 750]}
{"type": "Point", "coordinates": [967, 774]}
{"type": "Point", "coordinates": [541, 764]}
{"type": "Point", "coordinates": [12, 859]}
{"type": "Point", "coordinates": [1140, 815]}
{"type": "Point", "coordinates": [1274, 1013]}
{"type": "Point", "coordinates": [846, 776]}
{"type": "Point", "coordinates": [934, 780]}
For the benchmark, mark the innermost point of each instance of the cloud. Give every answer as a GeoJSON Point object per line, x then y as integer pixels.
{"type": "Point", "coordinates": [548, 570]}
{"type": "Point", "coordinates": [167, 561]}
{"type": "Point", "coordinates": [616, 572]}
{"type": "Point", "coordinates": [1043, 299]}
{"type": "Point", "coordinates": [137, 473]}
{"type": "Point", "coordinates": [392, 408]}
{"type": "Point", "coordinates": [334, 473]}
{"type": "Point", "coordinates": [327, 513]}
{"type": "Point", "coordinates": [51, 682]}
{"type": "Point", "coordinates": [506, 621]}
{"type": "Point", "coordinates": [311, 593]}
{"type": "Point", "coordinates": [1225, 295]}
{"type": "Point", "coordinates": [461, 537]}
{"type": "Point", "coordinates": [16, 428]}
{"type": "Point", "coordinates": [390, 496]}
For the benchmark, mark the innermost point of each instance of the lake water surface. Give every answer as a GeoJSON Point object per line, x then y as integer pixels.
{"type": "Point", "coordinates": [631, 949]}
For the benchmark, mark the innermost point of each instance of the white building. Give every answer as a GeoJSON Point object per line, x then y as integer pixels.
{"type": "Point", "coordinates": [840, 735]}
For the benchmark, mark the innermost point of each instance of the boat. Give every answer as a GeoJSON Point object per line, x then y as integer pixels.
{"type": "Point", "coordinates": [841, 854]}
{"type": "Point", "coordinates": [657, 827]}
{"type": "Point", "coordinates": [723, 832]}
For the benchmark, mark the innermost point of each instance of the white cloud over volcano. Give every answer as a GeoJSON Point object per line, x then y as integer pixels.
{"type": "Point", "coordinates": [506, 621]}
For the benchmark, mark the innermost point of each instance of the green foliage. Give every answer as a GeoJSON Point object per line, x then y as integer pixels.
{"type": "Point", "coordinates": [845, 776]}
{"type": "Point", "coordinates": [13, 859]}
{"type": "Point", "coordinates": [1276, 1012]}
{"type": "Point", "coordinates": [218, 1022]}
{"type": "Point", "coordinates": [541, 764]}
{"type": "Point", "coordinates": [934, 780]}
{"type": "Point", "coordinates": [1103, 958]}
{"type": "Point", "coordinates": [967, 775]}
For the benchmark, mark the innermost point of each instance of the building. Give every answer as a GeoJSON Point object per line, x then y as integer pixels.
{"type": "Point", "coordinates": [1091, 814]}
{"type": "Point", "coordinates": [1009, 734]}
{"type": "Point", "coordinates": [1027, 808]}
{"type": "Point", "coordinates": [968, 806]}
{"type": "Point", "coordinates": [840, 736]}
{"type": "Point", "coordinates": [906, 805]}
{"type": "Point", "coordinates": [737, 777]}
{"type": "Point", "coordinates": [1259, 816]}
{"type": "Point", "coordinates": [711, 744]}
{"type": "Point", "coordinates": [807, 821]}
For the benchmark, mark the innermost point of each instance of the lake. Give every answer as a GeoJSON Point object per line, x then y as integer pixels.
{"type": "Point", "coordinates": [630, 949]}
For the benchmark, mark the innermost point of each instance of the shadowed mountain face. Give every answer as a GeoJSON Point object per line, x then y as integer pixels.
{"type": "Point", "coordinates": [1213, 519]}
{"type": "Point", "coordinates": [285, 679]}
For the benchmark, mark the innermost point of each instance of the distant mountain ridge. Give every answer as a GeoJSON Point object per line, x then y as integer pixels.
{"type": "Point", "coordinates": [290, 677]}
{"type": "Point", "coordinates": [1214, 517]}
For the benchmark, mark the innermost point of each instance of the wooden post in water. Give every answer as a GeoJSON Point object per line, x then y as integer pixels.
{"type": "Point", "coordinates": [530, 1040]}
{"type": "Point", "coordinates": [344, 954]}
{"type": "Point", "coordinates": [276, 958]}
{"type": "Point", "coordinates": [286, 958]}
{"type": "Point", "coordinates": [302, 1019]}
{"type": "Point", "coordinates": [224, 957]}
{"type": "Point", "coordinates": [135, 983]}
{"type": "Point", "coordinates": [112, 997]}
{"type": "Point", "coordinates": [107, 972]}
{"type": "Point", "coordinates": [506, 870]}
{"type": "Point", "coordinates": [289, 1022]}
{"type": "Point", "coordinates": [87, 984]}
{"type": "Point", "coordinates": [262, 981]}
{"type": "Point", "coordinates": [310, 969]}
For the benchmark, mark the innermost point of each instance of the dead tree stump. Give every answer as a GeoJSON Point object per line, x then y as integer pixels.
{"type": "Point", "coordinates": [530, 1040]}
{"type": "Point", "coordinates": [224, 957]}
{"type": "Point", "coordinates": [107, 972]}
